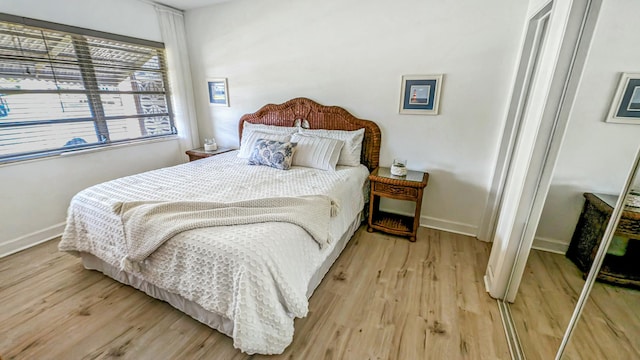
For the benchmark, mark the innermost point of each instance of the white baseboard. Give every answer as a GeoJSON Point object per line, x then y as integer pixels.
{"type": "Point", "coordinates": [449, 226]}
{"type": "Point", "coordinates": [550, 245]}
{"type": "Point", "coordinates": [29, 240]}
{"type": "Point", "coordinates": [440, 224]}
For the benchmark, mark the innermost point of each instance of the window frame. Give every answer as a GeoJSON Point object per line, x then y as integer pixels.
{"type": "Point", "coordinates": [91, 90]}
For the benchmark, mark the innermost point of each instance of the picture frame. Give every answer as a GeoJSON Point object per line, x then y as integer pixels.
{"type": "Point", "coordinates": [218, 92]}
{"type": "Point", "coordinates": [420, 94]}
{"type": "Point", "coordinates": [625, 107]}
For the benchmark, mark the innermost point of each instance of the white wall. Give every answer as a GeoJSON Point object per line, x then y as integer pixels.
{"type": "Point", "coordinates": [123, 17]}
{"type": "Point", "coordinates": [352, 54]}
{"type": "Point", "coordinates": [34, 195]}
{"type": "Point", "coordinates": [595, 156]}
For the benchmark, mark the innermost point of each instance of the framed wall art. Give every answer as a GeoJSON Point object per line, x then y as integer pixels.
{"type": "Point", "coordinates": [218, 92]}
{"type": "Point", "coordinates": [625, 107]}
{"type": "Point", "coordinates": [420, 94]}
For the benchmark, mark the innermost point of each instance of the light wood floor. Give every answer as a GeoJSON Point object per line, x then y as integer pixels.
{"type": "Point", "coordinates": [384, 298]}
{"type": "Point", "coordinates": [608, 329]}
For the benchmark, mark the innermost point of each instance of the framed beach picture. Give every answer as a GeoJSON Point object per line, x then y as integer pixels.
{"type": "Point", "coordinates": [420, 94]}
{"type": "Point", "coordinates": [625, 107]}
{"type": "Point", "coordinates": [218, 92]}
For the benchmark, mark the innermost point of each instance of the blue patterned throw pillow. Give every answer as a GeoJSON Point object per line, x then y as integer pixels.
{"type": "Point", "coordinates": [272, 153]}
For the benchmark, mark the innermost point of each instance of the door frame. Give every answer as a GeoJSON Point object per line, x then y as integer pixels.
{"type": "Point", "coordinates": [536, 149]}
{"type": "Point", "coordinates": [529, 57]}
{"type": "Point", "coordinates": [528, 172]}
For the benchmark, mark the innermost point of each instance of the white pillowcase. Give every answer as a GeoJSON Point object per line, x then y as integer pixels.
{"type": "Point", "coordinates": [350, 153]}
{"type": "Point", "coordinates": [270, 128]}
{"type": "Point", "coordinates": [316, 152]}
{"type": "Point", "coordinates": [252, 132]}
{"type": "Point", "coordinates": [249, 141]}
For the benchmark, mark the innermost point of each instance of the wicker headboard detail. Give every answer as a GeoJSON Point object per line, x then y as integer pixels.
{"type": "Point", "coordinates": [320, 117]}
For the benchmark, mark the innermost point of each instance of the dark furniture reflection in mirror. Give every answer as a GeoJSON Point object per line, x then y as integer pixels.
{"type": "Point", "coordinates": [622, 263]}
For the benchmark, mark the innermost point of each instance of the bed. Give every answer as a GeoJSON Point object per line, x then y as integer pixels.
{"type": "Point", "coordinates": [239, 248]}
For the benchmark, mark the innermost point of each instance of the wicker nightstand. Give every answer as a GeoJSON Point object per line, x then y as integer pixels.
{"type": "Point", "coordinates": [199, 153]}
{"type": "Point", "coordinates": [409, 187]}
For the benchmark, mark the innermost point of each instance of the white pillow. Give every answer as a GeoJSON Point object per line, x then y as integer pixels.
{"type": "Point", "coordinates": [249, 139]}
{"type": "Point", "coordinates": [350, 153]}
{"type": "Point", "coordinates": [316, 152]}
{"type": "Point", "coordinates": [272, 129]}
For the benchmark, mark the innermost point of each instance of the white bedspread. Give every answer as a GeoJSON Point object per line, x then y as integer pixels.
{"type": "Point", "coordinates": [256, 274]}
{"type": "Point", "coordinates": [149, 224]}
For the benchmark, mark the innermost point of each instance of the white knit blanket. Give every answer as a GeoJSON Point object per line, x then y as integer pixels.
{"type": "Point", "coordinates": [255, 275]}
{"type": "Point", "coordinates": [147, 225]}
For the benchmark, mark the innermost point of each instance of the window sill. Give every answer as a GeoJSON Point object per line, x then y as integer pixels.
{"type": "Point", "coordinates": [92, 150]}
{"type": "Point", "coordinates": [117, 146]}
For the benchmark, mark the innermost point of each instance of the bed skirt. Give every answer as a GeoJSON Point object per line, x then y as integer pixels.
{"type": "Point", "coordinates": [211, 319]}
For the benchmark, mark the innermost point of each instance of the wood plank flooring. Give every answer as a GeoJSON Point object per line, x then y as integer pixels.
{"type": "Point", "coordinates": [384, 298]}
{"type": "Point", "coordinates": [608, 329]}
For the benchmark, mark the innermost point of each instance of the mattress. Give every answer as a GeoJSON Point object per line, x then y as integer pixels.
{"type": "Point", "coordinates": [255, 278]}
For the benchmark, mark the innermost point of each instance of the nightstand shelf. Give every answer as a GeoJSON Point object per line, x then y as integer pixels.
{"type": "Point", "coordinates": [408, 188]}
{"type": "Point", "coordinates": [393, 223]}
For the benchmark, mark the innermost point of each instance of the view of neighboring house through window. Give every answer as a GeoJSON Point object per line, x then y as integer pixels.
{"type": "Point", "coordinates": [64, 88]}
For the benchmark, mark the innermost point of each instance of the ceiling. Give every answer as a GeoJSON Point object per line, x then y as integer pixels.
{"type": "Point", "coordinates": [189, 4]}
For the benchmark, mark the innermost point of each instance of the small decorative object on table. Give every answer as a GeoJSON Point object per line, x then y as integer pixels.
{"type": "Point", "coordinates": [210, 145]}
{"type": "Point", "coordinates": [399, 167]}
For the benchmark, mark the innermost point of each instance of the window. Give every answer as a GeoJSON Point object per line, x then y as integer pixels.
{"type": "Point", "coordinates": [64, 88]}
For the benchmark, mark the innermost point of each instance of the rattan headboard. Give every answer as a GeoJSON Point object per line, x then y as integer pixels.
{"type": "Point", "coordinates": [320, 117]}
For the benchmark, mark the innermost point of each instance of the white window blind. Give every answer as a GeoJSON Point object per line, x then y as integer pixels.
{"type": "Point", "coordinates": [64, 88]}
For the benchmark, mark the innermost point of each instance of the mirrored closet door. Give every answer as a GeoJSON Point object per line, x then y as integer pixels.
{"type": "Point", "coordinates": [557, 312]}
{"type": "Point", "coordinates": [605, 322]}
{"type": "Point", "coordinates": [609, 327]}
{"type": "Point", "coordinates": [589, 177]}
{"type": "Point", "coordinates": [553, 280]}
